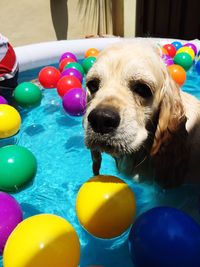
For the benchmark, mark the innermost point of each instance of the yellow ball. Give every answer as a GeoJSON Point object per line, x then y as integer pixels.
{"type": "Point", "coordinates": [43, 240]}
{"type": "Point", "coordinates": [105, 206]}
{"type": "Point", "coordinates": [188, 50]}
{"type": "Point", "coordinates": [10, 121]}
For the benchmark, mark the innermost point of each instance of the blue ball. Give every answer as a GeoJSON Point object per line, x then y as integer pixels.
{"type": "Point", "coordinates": [197, 66]}
{"type": "Point", "coordinates": [177, 45]}
{"type": "Point", "coordinates": [165, 237]}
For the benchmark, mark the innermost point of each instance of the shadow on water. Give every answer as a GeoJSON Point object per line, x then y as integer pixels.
{"type": "Point", "coordinates": [67, 121]}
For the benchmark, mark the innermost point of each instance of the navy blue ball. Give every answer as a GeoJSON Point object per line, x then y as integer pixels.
{"type": "Point", "coordinates": [198, 66]}
{"type": "Point", "coordinates": [177, 45]}
{"type": "Point", "coordinates": [165, 237]}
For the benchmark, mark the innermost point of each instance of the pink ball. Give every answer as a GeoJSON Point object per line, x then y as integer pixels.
{"type": "Point", "coordinates": [72, 72]}
{"type": "Point", "coordinates": [191, 45]}
{"type": "Point", "coordinates": [74, 102]}
{"type": "Point", "coordinates": [3, 100]}
{"type": "Point", "coordinates": [10, 216]}
{"type": "Point", "coordinates": [68, 55]}
{"type": "Point", "coordinates": [168, 61]}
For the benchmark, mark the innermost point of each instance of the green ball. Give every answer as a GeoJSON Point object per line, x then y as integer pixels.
{"type": "Point", "coordinates": [87, 63]}
{"type": "Point", "coordinates": [18, 166]}
{"type": "Point", "coordinates": [184, 60]}
{"type": "Point", "coordinates": [75, 65]}
{"type": "Point", "coordinates": [27, 94]}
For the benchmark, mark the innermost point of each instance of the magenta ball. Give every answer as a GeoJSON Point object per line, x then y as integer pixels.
{"type": "Point", "coordinates": [191, 45]}
{"type": "Point", "coordinates": [3, 100]}
{"type": "Point", "coordinates": [68, 55]}
{"type": "Point", "coordinates": [168, 61]}
{"type": "Point", "coordinates": [164, 56]}
{"type": "Point", "coordinates": [73, 72]}
{"type": "Point", "coordinates": [10, 216]}
{"type": "Point", "coordinates": [74, 102]}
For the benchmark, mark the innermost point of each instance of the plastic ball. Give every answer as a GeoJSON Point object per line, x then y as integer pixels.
{"type": "Point", "coordinates": [91, 52]}
{"type": "Point", "coordinates": [188, 50]}
{"type": "Point", "coordinates": [64, 62]}
{"type": "Point", "coordinates": [74, 102]}
{"type": "Point", "coordinates": [168, 61]}
{"type": "Point", "coordinates": [3, 100]}
{"type": "Point", "coordinates": [164, 51]}
{"type": "Point", "coordinates": [165, 236]}
{"type": "Point", "coordinates": [73, 72]}
{"type": "Point", "coordinates": [42, 240]}
{"type": "Point", "coordinates": [177, 73]}
{"type": "Point", "coordinates": [49, 76]}
{"type": "Point", "coordinates": [105, 206]}
{"type": "Point", "coordinates": [66, 83]}
{"type": "Point", "coordinates": [27, 94]}
{"type": "Point", "coordinates": [184, 60]}
{"type": "Point", "coordinates": [197, 66]}
{"type": "Point", "coordinates": [193, 46]}
{"type": "Point", "coordinates": [87, 63]}
{"type": "Point", "coordinates": [170, 49]}
{"type": "Point", "coordinates": [75, 65]}
{"type": "Point", "coordinates": [68, 55]}
{"type": "Point", "coordinates": [10, 121]}
{"type": "Point", "coordinates": [18, 166]}
{"type": "Point", "coordinates": [10, 216]}
{"type": "Point", "coordinates": [177, 45]}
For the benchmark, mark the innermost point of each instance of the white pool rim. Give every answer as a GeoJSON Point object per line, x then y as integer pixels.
{"type": "Point", "coordinates": [47, 53]}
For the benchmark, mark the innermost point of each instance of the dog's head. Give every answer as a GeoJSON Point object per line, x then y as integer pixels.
{"type": "Point", "coordinates": [134, 107]}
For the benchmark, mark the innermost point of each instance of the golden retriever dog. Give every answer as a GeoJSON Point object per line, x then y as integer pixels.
{"type": "Point", "coordinates": [140, 116]}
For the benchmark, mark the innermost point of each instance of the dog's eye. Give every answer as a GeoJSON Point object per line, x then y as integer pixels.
{"type": "Point", "coordinates": [93, 85]}
{"type": "Point", "coordinates": [141, 89]}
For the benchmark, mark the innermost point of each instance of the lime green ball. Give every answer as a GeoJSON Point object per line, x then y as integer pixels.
{"type": "Point", "coordinates": [184, 60]}
{"type": "Point", "coordinates": [18, 166]}
{"type": "Point", "coordinates": [87, 63]}
{"type": "Point", "coordinates": [27, 94]}
{"type": "Point", "coordinates": [75, 65]}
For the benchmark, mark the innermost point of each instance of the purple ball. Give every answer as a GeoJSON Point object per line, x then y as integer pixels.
{"type": "Point", "coordinates": [191, 45]}
{"type": "Point", "coordinates": [3, 100]}
{"type": "Point", "coordinates": [10, 216]}
{"type": "Point", "coordinates": [168, 61]}
{"type": "Point", "coordinates": [68, 55]}
{"type": "Point", "coordinates": [73, 72]}
{"type": "Point", "coordinates": [164, 56]}
{"type": "Point", "coordinates": [74, 102]}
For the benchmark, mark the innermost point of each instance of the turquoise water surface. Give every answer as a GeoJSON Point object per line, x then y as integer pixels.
{"type": "Point", "coordinates": [64, 164]}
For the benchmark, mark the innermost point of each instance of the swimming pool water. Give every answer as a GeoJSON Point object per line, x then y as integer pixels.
{"type": "Point", "coordinates": [64, 164]}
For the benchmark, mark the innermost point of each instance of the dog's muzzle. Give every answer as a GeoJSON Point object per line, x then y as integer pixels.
{"type": "Point", "coordinates": [104, 120]}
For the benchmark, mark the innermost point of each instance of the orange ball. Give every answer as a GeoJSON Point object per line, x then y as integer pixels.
{"type": "Point", "coordinates": [178, 74]}
{"type": "Point", "coordinates": [92, 52]}
{"type": "Point", "coordinates": [164, 51]}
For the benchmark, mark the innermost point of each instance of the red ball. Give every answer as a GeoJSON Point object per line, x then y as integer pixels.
{"type": "Point", "coordinates": [66, 83]}
{"type": "Point", "coordinates": [170, 49]}
{"type": "Point", "coordinates": [49, 76]}
{"type": "Point", "coordinates": [64, 62]}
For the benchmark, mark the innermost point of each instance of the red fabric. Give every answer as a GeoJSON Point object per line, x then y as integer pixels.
{"type": "Point", "coordinates": [8, 61]}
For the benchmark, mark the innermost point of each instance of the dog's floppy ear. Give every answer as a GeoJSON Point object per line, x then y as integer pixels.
{"type": "Point", "coordinates": [169, 149]}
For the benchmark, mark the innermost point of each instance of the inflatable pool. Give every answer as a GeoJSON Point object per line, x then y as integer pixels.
{"type": "Point", "coordinates": [64, 164]}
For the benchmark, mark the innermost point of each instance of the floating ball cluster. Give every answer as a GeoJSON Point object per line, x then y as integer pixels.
{"type": "Point", "coordinates": [179, 58]}
{"type": "Point", "coordinates": [68, 80]}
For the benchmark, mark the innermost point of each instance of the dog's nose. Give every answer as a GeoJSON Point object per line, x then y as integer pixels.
{"type": "Point", "coordinates": [104, 120]}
